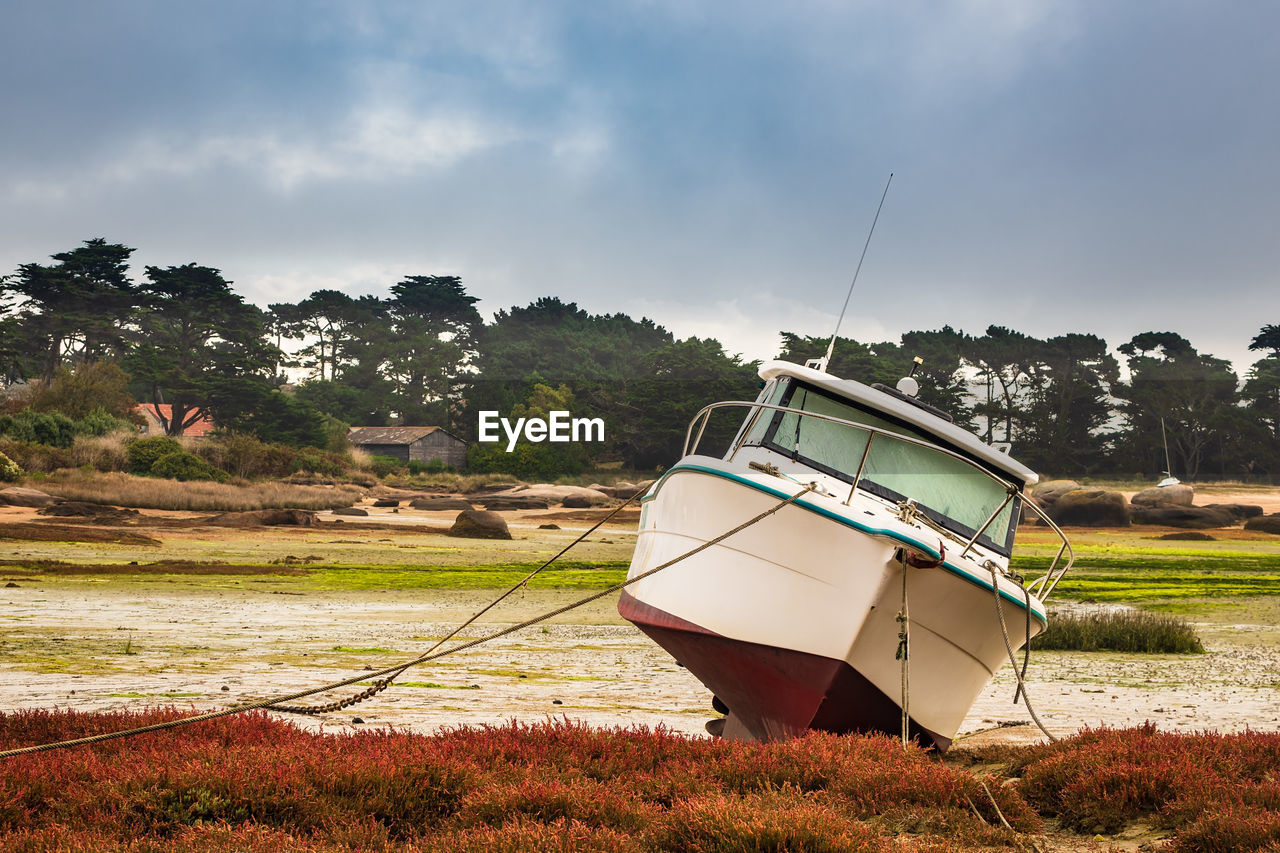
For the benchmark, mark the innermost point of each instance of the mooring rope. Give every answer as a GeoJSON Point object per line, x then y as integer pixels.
{"type": "Point", "coordinates": [425, 657]}
{"type": "Point", "coordinates": [383, 684]}
{"type": "Point", "coordinates": [1013, 660]}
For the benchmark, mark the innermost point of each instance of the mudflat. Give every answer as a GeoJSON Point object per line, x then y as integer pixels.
{"type": "Point", "coordinates": [100, 634]}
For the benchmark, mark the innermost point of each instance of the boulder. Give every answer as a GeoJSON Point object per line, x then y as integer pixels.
{"type": "Point", "coordinates": [441, 503]}
{"type": "Point", "coordinates": [583, 501]}
{"type": "Point", "coordinates": [1265, 523]}
{"type": "Point", "coordinates": [553, 493]}
{"type": "Point", "coordinates": [479, 524]}
{"type": "Point", "coordinates": [506, 503]}
{"type": "Point", "coordinates": [1090, 508]}
{"type": "Point", "coordinates": [1176, 495]}
{"type": "Point", "coordinates": [1050, 490]}
{"type": "Point", "coordinates": [386, 502]}
{"type": "Point", "coordinates": [1188, 517]}
{"type": "Point", "coordinates": [19, 496]}
{"type": "Point", "coordinates": [350, 510]}
{"type": "Point", "coordinates": [264, 518]}
{"type": "Point", "coordinates": [1238, 511]}
{"type": "Point", "coordinates": [93, 512]}
{"type": "Point", "coordinates": [1188, 536]}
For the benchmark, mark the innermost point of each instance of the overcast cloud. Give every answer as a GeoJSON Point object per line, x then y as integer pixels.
{"type": "Point", "coordinates": [1107, 167]}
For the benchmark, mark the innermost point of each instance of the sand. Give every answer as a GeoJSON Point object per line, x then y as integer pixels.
{"type": "Point", "coordinates": [98, 645]}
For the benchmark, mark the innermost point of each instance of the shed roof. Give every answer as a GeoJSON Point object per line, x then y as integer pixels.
{"type": "Point", "coordinates": [391, 435]}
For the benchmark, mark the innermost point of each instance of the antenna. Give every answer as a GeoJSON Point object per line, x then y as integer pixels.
{"type": "Point", "coordinates": [826, 359]}
{"type": "Point", "coordinates": [1168, 466]}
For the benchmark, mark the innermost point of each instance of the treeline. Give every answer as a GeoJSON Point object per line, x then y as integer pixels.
{"type": "Point", "coordinates": [82, 338]}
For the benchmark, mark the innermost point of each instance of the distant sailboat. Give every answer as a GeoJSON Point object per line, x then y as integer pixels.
{"type": "Point", "coordinates": [1169, 479]}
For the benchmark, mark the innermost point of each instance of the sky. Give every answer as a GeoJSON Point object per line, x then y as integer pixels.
{"type": "Point", "coordinates": [1101, 166]}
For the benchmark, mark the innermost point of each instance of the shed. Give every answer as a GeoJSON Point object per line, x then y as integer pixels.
{"type": "Point", "coordinates": [411, 444]}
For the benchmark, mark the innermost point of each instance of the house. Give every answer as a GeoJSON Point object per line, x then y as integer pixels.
{"type": "Point", "coordinates": [151, 414]}
{"type": "Point", "coordinates": [411, 444]}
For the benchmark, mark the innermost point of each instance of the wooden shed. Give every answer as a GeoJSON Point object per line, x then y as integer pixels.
{"type": "Point", "coordinates": [411, 444]}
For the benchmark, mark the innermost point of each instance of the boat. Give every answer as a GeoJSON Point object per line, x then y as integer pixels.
{"type": "Point", "coordinates": [873, 591]}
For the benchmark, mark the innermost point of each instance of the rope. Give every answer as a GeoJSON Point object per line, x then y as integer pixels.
{"type": "Point", "coordinates": [1008, 646]}
{"type": "Point", "coordinates": [398, 668]}
{"type": "Point", "coordinates": [385, 683]}
{"type": "Point", "coordinates": [904, 653]}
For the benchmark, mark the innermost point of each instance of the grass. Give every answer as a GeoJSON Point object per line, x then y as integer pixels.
{"type": "Point", "coordinates": [1119, 631]}
{"type": "Point", "coordinates": [253, 783]}
{"type": "Point", "coordinates": [126, 490]}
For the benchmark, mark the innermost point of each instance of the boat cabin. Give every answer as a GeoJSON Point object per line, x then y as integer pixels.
{"type": "Point", "coordinates": [886, 446]}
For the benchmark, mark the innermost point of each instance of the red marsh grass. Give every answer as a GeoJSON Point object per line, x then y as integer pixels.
{"type": "Point", "coordinates": [126, 490]}
{"type": "Point", "coordinates": [255, 783]}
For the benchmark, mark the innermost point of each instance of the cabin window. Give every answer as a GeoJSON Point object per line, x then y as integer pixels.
{"type": "Point", "coordinates": [950, 491]}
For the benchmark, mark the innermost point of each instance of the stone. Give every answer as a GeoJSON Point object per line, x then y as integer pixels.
{"type": "Point", "coordinates": [1176, 495]}
{"type": "Point", "coordinates": [507, 503]}
{"type": "Point", "coordinates": [441, 503]}
{"type": "Point", "coordinates": [1187, 517]}
{"type": "Point", "coordinates": [19, 496]}
{"type": "Point", "coordinates": [264, 518]}
{"type": "Point", "coordinates": [351, 510]}
{"type": "Point", "coordinates": [1238, 511]}
{"type": "Point", "coordinates": [386, 502]}
{"type": "Point", "coordinates": [1090, 508]}
{"type": "Point", "coordinates": [576, 502]}
{"type": "Point", "coordinates": [1188, 536]}
{"type": "Point", "coordinates": [548, 527]}
{"type": "Point", "coordinates": [1265, 523]}
{"type": "Point", "coordinates": [479, 524]}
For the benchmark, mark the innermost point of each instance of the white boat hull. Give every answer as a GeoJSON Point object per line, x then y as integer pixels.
{"type": "Point", "coordinates": [792, 622]}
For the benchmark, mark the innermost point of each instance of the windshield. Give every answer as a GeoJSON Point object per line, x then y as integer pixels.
{"type": "Point", "coordinates": [958, 495]}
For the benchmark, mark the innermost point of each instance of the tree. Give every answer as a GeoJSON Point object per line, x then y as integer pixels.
{"type": "Point", "coordinates": [679, 379]}
{"type": "Point", "coordinates": [77, 309]}
{"type": "Point", "coordinates": [87, 387]}
{"type": "Point", "coordinates": [200, 348]}
{"type": "Point", "coordinates": [336, 327]}
{"type": "Point", "coordinates": [1002, 359]}
{"type": "Point", "coordinates": [598, 356]}
{"type": "Point", "coordinates": [434, 323]}
{"type": "Point", "coordinates": [1262, 395]}
{"type": "Point", "coordinates": [1193, 394]}
{"type": "Point", "coordinates": [1070, 377]}
{"type": "Point", "coordinates": [941, 382]}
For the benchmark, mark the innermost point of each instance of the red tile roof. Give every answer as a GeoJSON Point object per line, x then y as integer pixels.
{"type": "Point", "coordinates": [152, 412]}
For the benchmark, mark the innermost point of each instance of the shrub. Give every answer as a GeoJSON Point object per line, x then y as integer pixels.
{"type": "Point", "coordinates": [185, 466]}
{"type": "Point", "coordinates": [245, 456]}
{"type": "Point", "coordinates": [9, 470]}
{"type": "Point", "coordinates": [101, 452]}
{"type": "Point", "coordinates": [1119, 631]}
{"type": "Point", "coordinates": [320, 462]}
{"type": "Point", "coordinates": [144, 452]}
{"type": "Point", "coordinates": [384, 465]}
{"type": "Point", "coordinates": [52, 428]}
{"type": "Point", "coordinates": [37, 458]}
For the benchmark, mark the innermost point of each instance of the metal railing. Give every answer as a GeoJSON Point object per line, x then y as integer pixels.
{"type": "Point", "coordinates": [1041, 587]}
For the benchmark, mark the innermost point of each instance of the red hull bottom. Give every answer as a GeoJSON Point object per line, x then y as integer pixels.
{"type": "Point", "coordinates": [776, 693]}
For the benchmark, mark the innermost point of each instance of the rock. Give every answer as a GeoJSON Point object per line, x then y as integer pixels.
{"type": "Point", "coordinates": [1189, 517]}
{"type": "Point", "coordinates": [350, 510]}
{"type": "Point", "coordinates": [1090, 508]}
{"type": "Point", "coordinates": [626, 491]}
{"type": "Point", "coordinates": [19, 496]}
{"type": "Point", "coordinates": [442, 503]}
{"type": "Point", "coordinates": [506, 503]}
{"type": "Point", "coordinates": [264, 518]}
{"type": "Point", "coordinates": [94, 512]}
{"type": "Point", "coordinates": [479, 524]}
{"type": "Point", "coordinates": [555, 494]}
{"type": "Point", "coordinates": [1177, 495]}
{"type": "Point", "coordinates": [576, 502]}
{"type": "Point", "coordinates": [1188, 536]}
{"type": "Point", "coordinates": [386, 502]}
{"type": "Point", "coordinates": [1265, 523]}
{"type": "Point", "coordinates": [1238, 511]}
{"type": "Point", "coordinates": [1051, 490]}
{"type": "Point", "coordinates": [548, 527]}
